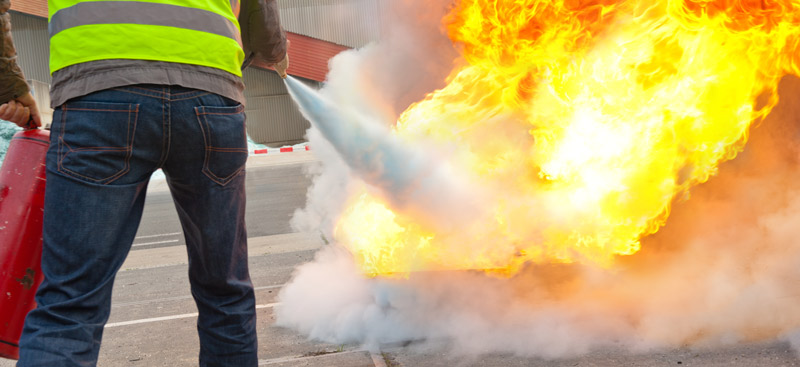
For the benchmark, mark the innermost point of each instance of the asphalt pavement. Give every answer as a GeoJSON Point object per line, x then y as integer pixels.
{"type": "Point", "coordinates": [153, 315]}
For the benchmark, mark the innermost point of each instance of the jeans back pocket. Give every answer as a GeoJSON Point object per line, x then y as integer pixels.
{"type": "Point", "coordinates": [95, 139]}
{"type": "Point", "coordinates": [225, 137]}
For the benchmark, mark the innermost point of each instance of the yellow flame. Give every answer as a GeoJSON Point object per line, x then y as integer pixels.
{"type": "Point", "coordinates": [587, 118]}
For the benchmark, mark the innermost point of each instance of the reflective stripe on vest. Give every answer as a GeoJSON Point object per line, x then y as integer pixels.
{"type": "Point", "coordinates": [206, 35]}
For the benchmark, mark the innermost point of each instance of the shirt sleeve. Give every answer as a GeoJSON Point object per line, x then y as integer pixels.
{"type": "Point", "coordinates": [12, 81]}
{"type": "Point", "coordinates": [262, 35]}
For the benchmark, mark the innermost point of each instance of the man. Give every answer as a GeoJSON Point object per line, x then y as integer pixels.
{"type": "Point", "coordinates": [137, 86]}
{"type": "Point", "coordinates": [18, 105]}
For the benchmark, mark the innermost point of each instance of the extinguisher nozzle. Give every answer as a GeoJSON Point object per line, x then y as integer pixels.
{"type": "Point", "coordinates": [31, 125]}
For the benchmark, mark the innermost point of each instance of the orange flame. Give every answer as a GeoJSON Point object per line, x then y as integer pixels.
{"type": "Point", "coordinates": [585, 119]}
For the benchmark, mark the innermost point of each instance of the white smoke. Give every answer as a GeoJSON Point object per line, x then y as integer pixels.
{"type": "Point", "coordinates": [377, 83]}
{"type": "Point", "coordinates": [723, 270]}
{"type": "Point", "coordinates": [7, 131]}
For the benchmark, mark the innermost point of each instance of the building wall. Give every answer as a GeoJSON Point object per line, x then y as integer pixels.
{"type": "Point", "coordinates": [33, 46]}
{"type": "Point", "coordinates": [351, 23]}
{"type": "Point", "coordinates": [309, 56]}
{"type": "Point", "coordinates": [272, 117]}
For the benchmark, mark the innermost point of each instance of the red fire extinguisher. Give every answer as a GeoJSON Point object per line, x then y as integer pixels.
{"type": "Point", "coordinates": [22, 181]}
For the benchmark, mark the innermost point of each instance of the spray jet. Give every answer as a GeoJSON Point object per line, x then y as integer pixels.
{"type": "Point", "coordinates": [369, 149]}
{"type": "Point", "coordinates": [410, 180]}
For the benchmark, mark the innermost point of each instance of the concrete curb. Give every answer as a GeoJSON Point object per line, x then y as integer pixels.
{"type": "Point", "coordinates": [257, 246]}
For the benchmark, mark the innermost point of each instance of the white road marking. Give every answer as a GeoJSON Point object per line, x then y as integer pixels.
{"type": "Point", "coordinates": [269, 287]}
{"type": "Point", "coordinates": [173, 317]}
{"type": "Point", "coordinates": [154, 243]}
{"type": "Point", "coordinates": [159, 235]}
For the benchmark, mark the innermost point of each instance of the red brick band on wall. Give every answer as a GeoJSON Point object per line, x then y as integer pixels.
{"type": "Point", "coordinates": [308, 57]}
{"type": "Point", "coordinates": [31, 7]}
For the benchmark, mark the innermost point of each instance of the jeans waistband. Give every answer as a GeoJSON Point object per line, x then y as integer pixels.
{"type": "Point", "coordinates": [168, 92]}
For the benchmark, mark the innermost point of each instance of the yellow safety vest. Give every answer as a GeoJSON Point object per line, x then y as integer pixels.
{"type": "Point", "coordinates": [196, 32]}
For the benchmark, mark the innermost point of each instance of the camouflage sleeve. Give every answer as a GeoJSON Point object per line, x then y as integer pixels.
{"type": "Point", "coordinates": [12, 81]}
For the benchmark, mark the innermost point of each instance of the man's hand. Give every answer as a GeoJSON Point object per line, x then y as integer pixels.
{"type": "Point", "coordinates": [282, 65]}
{"type": "Point", "coordinates": [21, 111]}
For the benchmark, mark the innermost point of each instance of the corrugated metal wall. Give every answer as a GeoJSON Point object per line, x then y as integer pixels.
{"type": "Point", "coordinates": [352, 23]}
{"type": "Point", "coordinates": [41, 93]}
{"type": "Point", "coordinates": [272, 116]}
{"type": "Point", "coordinates": [33, 46]}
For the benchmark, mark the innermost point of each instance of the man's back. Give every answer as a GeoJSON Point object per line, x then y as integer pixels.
{"type": "Point", "coordinates": [193, 43]}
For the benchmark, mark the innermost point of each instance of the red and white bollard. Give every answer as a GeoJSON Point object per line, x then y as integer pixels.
{"type": "Point", "coordinates": [22, 181]}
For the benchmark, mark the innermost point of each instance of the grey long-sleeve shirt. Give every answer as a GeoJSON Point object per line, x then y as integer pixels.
{"type": "Point", "coordinates": [262, 37]}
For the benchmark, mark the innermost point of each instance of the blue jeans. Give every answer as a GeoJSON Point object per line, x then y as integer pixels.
{"type": "Point", "coordinates": [104, 147]}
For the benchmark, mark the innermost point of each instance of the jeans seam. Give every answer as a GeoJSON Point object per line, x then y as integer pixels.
{"type": "Point", "coordinates": [188, 92]}
{"type": "Point", "coordinates": [190, 97]}
{"type": "Point", "coordinates": [166, 125]}
{"type": "Point", "coordinates": [101, 110]}
{"type": "Point", "coordinates": [219, 113]}
{"type": "Point", "coordinates": [61, 143]}
{"type": "Point", "coordinates": [205, 146]}
{"type": "Point", "coordinates": [128, 147]}
{"type": "Point", "coordinates": [239, 110]}
{"type": "Point", "coordinates": [208, 149]}
{"type": "Point", "coordinates": [131, 135]}
{"type": "Point", "coordinates": [142, 94]}
{"type": "Point", "coordinates": [162, 96]}
{"type": "Point", "coordinates": [220, 180]}
{"type": "Point", "coordinates": [109, 179]}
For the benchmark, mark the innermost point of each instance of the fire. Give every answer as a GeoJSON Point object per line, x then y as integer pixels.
{"type": "Point", "coordinates": [585, 119]}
